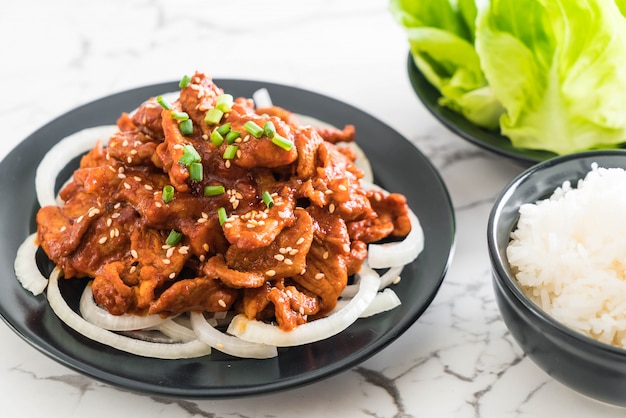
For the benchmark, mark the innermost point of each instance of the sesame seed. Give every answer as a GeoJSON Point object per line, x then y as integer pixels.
{"type": "Point", "coordinates": [134, 254]}
{"type": "Point", "coordinates": [121, 175]}
{"type": "Point", "coordinates": [126, 186]}
{"type": "Point", "coordinates": [102, 240]}
{"type": "Point", "coordinates": [270, 273]}
{"type": "Point", "coordinates": [133, 152]}
{"type": "Point", "coordinates": [112, 233]}
{"type": "Point", "coordinates": [282, 250]}
{"type": "Point", "coordinates": [166, 261]}
{"type": "Point", "coordinates": [115, 215]}
{"type": "Point", "coordinates": [79, 219]}
{"type": "Point", "coordinates": [227, 164]}
{"type": "Point", "coordinates": [279, 257]}
{"type": "Point", "coordinates": [169, 252]}
{"type": "Point", "coordinates": [300, 241]}
{"type": "Point", "coordinates": [301, 310]}
{"type": "Point", "coordinates": [205, 247]}
{"type": "Point", "coordinates": [183, 250]}
{"type": "Point", "coordinates": [228, 225]}
{"type": "Point", "coordinates": [117, 205]}
{"type": "Point", "coordinates": [63, 228]}
{"type": "Point", "coordinates": [205, 215]}
{"type": "Point", "coordinates": [294, 252]}
{"type": "Point", "coordinates": [129, 160]}
{"type": "Point", "coordinates": [221, 303]}
{"type": "Point", "coordinates": [205, 136]}
{"type": "Point", "coordinates": [342, 187]}
{"type": "Point", "coordinates": [396, 280]}
{"type": "Point", "coordinates": [201, 220]}
{"type": "Point", "coordinates": [346, 247]}
{"type": "Point", "coordinates": [325, 255]}
{"type": "Point", "coordinates": [172, 275]}
{"type": "Point", "coordinates": [137, 178]}
{"type": "Point", "coordinates": [319, 276]}
{"type": "Point", "coordinates": [331, 208]}
{"type": "Point", "coordinates": [125, 143]}
{"type": "Point", "coordinates": [202, 258]}
{"type": "Point", "coordinates": [109, 221]}
{"type": "Point", "coordinates": [288, 261]}
{"type": "Point", "coordinates": [158, 204]}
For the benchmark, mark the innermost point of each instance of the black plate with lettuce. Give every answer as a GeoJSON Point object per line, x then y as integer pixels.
{"type": "Point", "coordinates": [457, 123]}
{"type": "Point", "coordinates": [528, 80]}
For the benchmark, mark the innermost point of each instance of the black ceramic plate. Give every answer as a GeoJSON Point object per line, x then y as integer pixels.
{"type": "Point", "coordinates": [397, 165]}
{"type": "Point", "coordinates": [455, 122]}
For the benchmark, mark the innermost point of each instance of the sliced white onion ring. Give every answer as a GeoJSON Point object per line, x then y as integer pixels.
{"type": "Point", "coordinates": [227, 343]}
{"type": "Point", "coordinates": [195, 348]}
{"type": "Point", "coordinates": [383, 302]}
{"type": "Point", "coordinates": [64, 151]}
{"type": "Point", "coordinates": [26, 269]}
{"type": "Point", "coordinates": [260, 332]}
{"type": "Point", "coordinates": [98, 316]}
{"type": "Point", "coordinates": [175, 330]}
{"type": "Point", "coordinates": [388, 277]}
{"type": "Point", "coordinates": [399, 253]}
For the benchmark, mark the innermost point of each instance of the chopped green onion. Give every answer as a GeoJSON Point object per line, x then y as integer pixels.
{"type": "Point", "coordinates": [179, 115]}
{"type": "Point", "coordinates": [173, 238]}
{"type": "Point", "coordinates": [216, 138]}
{"type": "Point", "coordinates": [168, 193]}
{"type": "Point", "coordinates": [190, 155]}
{"type": "Point", "coordinates": [213, 116]}
{"type": "Point", "coordinates": [214, 190]}
{"type": "Point", "coordinates": [164, 103]}
{"type": "Point", "coordinates": [195, 171]}
{"type": "Point", "coordinates": [231, 136]}
{"type": "Point", "coordinates": [186, 127]}
{"type": "Point", "coordinates": [282, 142]}
{"type": "Point", "coordinates": [230, 152]}
{"type": "Point", "coordinates": [224, 102]}
{"type": "Point", "coordinates": [269, 130]}
{"type": "Point", "coordinates": [224, 129]}
{"type": "Point", "coordinates": [184, 82]}
{"type": "Point", "coordinates": [221, 215]}
{"type": "Point", "coordinates": [254, 129]}
{"type": "Point", "coordinates": [267, 199]}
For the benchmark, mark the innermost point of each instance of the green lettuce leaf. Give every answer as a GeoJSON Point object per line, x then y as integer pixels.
{"type": "Point", "coordinates": [441, 39]}
{"type": "Point", "coordinates": [557, 67]}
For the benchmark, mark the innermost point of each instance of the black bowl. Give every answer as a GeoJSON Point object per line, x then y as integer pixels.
{"type": "Point", "coordinates": [590, 367]}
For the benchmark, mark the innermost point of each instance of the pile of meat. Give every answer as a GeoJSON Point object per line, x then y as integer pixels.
{"type": "Point", "coordinates": [286, 261]}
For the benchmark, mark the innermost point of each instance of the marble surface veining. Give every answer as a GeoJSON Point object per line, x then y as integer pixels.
{"type": "Point", "coordinates": [457, 360]}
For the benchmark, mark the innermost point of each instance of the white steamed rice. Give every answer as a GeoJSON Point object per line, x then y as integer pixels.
{"type": "Point", "coordinates": [569, 254]}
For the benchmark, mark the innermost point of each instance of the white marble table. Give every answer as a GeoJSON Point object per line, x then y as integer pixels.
{"type": "Point", "coordinates": [457, 360]}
